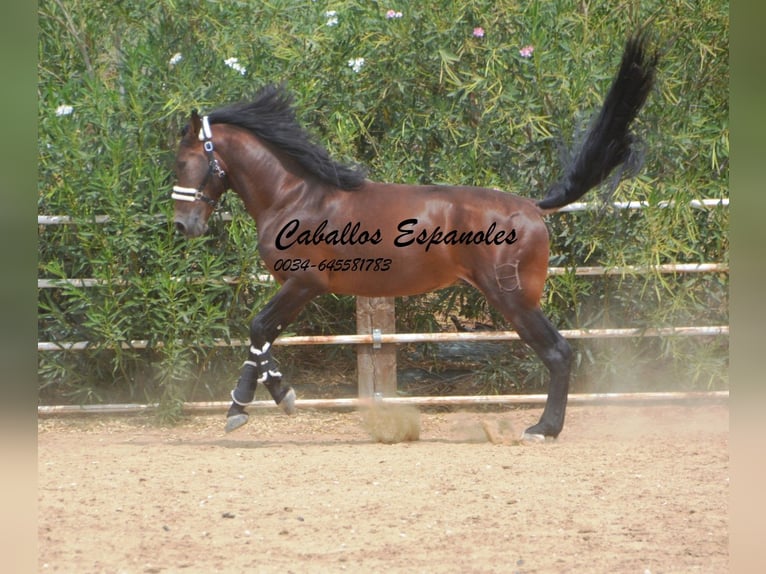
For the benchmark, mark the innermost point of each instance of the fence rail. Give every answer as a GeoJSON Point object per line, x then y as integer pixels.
{"type": "Point", "coordinates": [374, 339]}
{"type": "Point", "coordinates": [580, 271]}
{"type": "Point", "coordinates": [402, 338]}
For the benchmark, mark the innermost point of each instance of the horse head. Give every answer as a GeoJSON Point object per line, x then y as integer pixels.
{"type": "Point", "coordinates": [201, 178]}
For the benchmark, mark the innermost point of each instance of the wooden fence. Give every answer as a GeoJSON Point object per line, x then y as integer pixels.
{"type": "Point", "coordinates": [376, 337]}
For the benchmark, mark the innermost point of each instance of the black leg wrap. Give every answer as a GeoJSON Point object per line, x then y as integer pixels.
{"type": "Point", "coordinates": [244, 393]}
{"type": "Point", "coordinates": [283, 396]}
{"type": "Point", "coordinates": [272, 380]}
{"type": "Point", "coordinates": [235, 409]}
{"type": "Point", "coordinates": [277, 391]}
{"type": "Point", "coordinates": [260, 368]}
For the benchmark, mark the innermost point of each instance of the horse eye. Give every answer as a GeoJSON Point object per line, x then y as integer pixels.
{"type": "Point", "coordinates": [185, 130]}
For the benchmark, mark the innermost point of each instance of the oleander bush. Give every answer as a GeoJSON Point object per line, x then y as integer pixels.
{"type": "Point", "coordinates": [479, 92]}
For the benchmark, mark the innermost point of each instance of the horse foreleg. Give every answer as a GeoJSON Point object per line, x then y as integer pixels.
{"type": "Point", "coordinates": [260, 366]}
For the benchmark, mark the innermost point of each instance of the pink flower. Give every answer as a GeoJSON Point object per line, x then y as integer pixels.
{"type": "Point", "coordinates": [391, 14]}
{"type": "Point", "coordinates": [526, 51]}
{"type": "Point", "coordinates": [478, 32]}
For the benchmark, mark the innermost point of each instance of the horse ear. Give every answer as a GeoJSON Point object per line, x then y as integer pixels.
{"type": "Point", "coordinates": [195, 123]}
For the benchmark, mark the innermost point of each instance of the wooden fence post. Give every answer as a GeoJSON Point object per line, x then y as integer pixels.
{"type": "Point", "coordinates": [376, 363]}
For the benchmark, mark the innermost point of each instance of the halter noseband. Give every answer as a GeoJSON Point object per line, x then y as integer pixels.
{"type": "Point", "coordinates": [213, 168]}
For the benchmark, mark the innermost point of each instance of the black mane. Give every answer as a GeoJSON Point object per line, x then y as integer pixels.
{"type": "Point", "coordinates": [271, 117]}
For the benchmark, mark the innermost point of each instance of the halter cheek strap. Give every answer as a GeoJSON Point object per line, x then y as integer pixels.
{"type": "Point", "coordinates": [204, 132]}
{"type": "Point", "coordinates": [181, 193]}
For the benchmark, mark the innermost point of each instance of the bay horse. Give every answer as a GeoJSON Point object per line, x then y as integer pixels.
{"type": "Point", "coordinates": [323, 227]}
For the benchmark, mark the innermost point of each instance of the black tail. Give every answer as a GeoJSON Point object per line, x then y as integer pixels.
{"type": "Point", "coordinates": [608, 142]}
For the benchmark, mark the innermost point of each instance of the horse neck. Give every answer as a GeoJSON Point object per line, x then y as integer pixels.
{"type": "Point", "coordinates": [255, 172]}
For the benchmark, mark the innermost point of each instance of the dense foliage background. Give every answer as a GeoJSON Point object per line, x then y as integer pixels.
{"type": "Point", "coordinates": [481, 92]}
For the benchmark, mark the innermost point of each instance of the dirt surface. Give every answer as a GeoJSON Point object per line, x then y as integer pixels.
{"type": "Point", "coordinates": [624, 489]}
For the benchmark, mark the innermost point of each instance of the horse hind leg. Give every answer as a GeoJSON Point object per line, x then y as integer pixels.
{"type": "Point", "coordinates": [536, 330]}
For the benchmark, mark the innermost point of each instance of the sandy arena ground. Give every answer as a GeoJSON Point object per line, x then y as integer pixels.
{"type": "Point", "coordinates": [631, 489]}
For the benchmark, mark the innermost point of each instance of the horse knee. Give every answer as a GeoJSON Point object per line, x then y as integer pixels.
{"type": "Point", "coordinates": [263, 332]}
{"type": "Point", "coordinates": [257, 332]}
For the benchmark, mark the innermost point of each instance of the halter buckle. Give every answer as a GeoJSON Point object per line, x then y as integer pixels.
{"type": "Point", "coordinates": [216, 168]}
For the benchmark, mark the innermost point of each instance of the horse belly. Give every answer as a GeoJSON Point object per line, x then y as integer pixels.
{"type": "Point", "coordinates": [394, 275]}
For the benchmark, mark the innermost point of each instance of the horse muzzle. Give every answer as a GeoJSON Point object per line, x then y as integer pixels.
{"type": "Point", "coordinates": [193, 227]}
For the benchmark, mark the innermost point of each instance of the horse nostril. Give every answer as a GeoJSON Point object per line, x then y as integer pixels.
{"type": "Point", "coordinates": [180, 227]}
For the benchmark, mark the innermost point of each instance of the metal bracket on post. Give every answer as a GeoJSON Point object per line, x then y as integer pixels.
{"type": "Point", "coordinates": [377, 338]}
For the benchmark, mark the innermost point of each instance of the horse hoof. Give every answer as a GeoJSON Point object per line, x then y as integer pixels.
{"type": "Point", "coordinates": [235, 421]}
{"type": "Point", "coordinates": [533, 437]}
{"type": "Point", "coordinates": [287, 404]}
